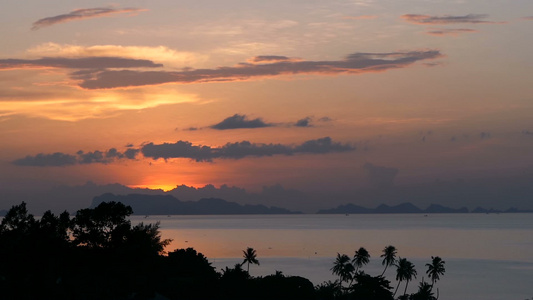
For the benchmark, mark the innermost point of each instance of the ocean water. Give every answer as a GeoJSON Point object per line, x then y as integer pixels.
{"type": "Point", "coordinates": [488, 256]}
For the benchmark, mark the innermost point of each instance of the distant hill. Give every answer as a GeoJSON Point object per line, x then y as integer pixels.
{"type": "Point", "coordinates": [409, 208]}
{"type": "Point", "coordinates": [169, 205]}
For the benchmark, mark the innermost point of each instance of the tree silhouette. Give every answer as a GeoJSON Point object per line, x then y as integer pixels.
{"type": "Point", "coordinates": [369, 287]}
{"type": "Point", "coordinates": [250, 257]}
{"type": "Point", "coordinates": [435, 269]}
{"type": "Point", "coordinates": [343, 268]}
{"type": "Point", "coordinates": [389, 257]}
{"type": "Point", "coordinates": [405, 271]}
{"type": "Point", "coordinates": [17, 220]}
{"type": "Point", "coordinates": [425, 292]}
{"type": "Point", "coordinates": [102, 227]}
{"type": "Point", "coordinates": [361, 257]}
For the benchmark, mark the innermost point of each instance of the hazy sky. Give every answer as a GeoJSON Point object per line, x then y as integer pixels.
{"type": "Point", "coordinates": [254, 93]}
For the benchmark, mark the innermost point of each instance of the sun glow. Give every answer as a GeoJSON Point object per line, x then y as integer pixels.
{"type": "Point", "coordinates": [155, 186]}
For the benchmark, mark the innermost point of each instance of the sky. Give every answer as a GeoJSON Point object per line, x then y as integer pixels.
{"type": "Point", "coordinates": [316, 96]}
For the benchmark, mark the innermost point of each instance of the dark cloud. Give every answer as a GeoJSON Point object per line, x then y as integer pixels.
{"type": "Point", "coordinates": [185, 149]}
{"type": "Point", "coordinates": [243, 149]}
{"type": "Point", "coordinates": [356, 63]}
{"type": "Point", "coordinates": [239, 121]}
{"type": "Point", "coordinates": [92, 63]}
{"type": "Point", "coordinates": [325, 119]}
{"type": "Point", "coordinates": [180, 149]}
{"type": "Point", "coordinates": [271, 58]}
{"type": "Point", "coordinates": [59, 159]}
{"type": "Point", "coordinates": [380, 177]}
{"type": "Point", "coordinates": [113, 153]}
{"type": "Point", "coordinates": [131, 153]}
{"type": "Point", "coordinates": [305, 122]}
{"type": "Point", "coordinates": [80, 14]}
{"type": "Point", "coordinates": [96, 157]}
{"type": "Point", "coordinates": [238, 150]}
{"type": "Point", "coordinates": [43, 160]}
{"type": "Point", "coordinates": [454, 32]}
{"type": "Point", "coordinates": [447, 19]}
{"type": "Point", "coordinates": [527, 132]}
{"type": "Point", "coordinates": [323, 145]}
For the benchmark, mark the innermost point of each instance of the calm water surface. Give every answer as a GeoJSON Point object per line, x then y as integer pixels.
{"type": "Point", "coordinates": [488, 256]}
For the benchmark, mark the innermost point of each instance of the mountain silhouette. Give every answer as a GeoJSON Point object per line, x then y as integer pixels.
{"type": "Point", "coordinates": [169, 205]}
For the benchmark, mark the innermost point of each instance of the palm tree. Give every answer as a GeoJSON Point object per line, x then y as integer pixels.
{"type": "Point", "coordinates": [361, 257]}
{"type": "Point", "coordinates": [250, 257]}
{"type": "Point", "coordinates": [389, 257]}
{"type": "Point", "coordinates": [343, 268]}
{"type": "Point", "coordinates": [405, 271]}
{"type": "Point", "coordinates": [435, 269]}
{"type": "Point", "coordinates": [425, 292]}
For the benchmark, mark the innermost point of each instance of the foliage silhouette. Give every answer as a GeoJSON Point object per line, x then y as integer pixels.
{"type": "Point", "coordinates": [343, 268]}
{"type": "Point", "coordinates": [405, 271]}
{"type": "Point", "coordinates": [361, 258]}
{"type": "Point", "coordinates": [186, 274]}
{"type": "Point", "coordinates": [389, 257]}
{"type": "Point", "coordinates": [329, 290]}
{"type": "Point", "coordinates": [425, 292]}
{"type": "Point", "coordinates": [368, 287]}
{"type": "Point", "coordinates": [101, 227]}
{"type": "Point", "coordinates": [250, 257]}
{"type": "Point", "coordinates": [435, 269]}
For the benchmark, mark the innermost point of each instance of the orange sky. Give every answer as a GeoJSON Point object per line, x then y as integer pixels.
{"type": "Point", "coordinates": [436, 90]}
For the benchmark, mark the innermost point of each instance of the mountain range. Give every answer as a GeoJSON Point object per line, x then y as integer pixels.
{"type": "Point", "coordinates": [169, 205]}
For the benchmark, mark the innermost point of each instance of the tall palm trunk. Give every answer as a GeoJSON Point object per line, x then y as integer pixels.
{"type": "Point", "coordinates": [396, 290]}
{"type": "Point", "coordinates": [406, 284]}
{"type": "Point", "coordinates": [384, 270]}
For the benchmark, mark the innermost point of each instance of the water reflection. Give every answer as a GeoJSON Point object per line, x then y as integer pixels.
{"type": "Point", "coordinates": [459, 236]}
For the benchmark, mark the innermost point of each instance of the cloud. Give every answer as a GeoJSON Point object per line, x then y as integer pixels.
{"type": "Point", "coordinates": [180, 149]}
{"type": "Point", "coordinates": [44, 160]}
{"type": "Point", "coordinates": [59, 159]}
{"type": "Point", "coordinates": [380, 177]}
{"type": "Point", "coordinates": [529, 18]}
{"type": "Point", "coordinates": [238, 150]}
{"type": "Point", "coordinates": [323, 145]}
{"type": "Point", "coordinates": [163, 54]}
{"type": "Point", "coordinates": [447, 19]}
{"type": "Point", "coordinates": [131, 153]}
{"type": "Point", "coordinates": [356, 63]}
{"type": "Point", "coordinates": [305, 122]}
{"type": "Point", "coordinates": [80, 14]}
{"type": "Point", "coordinates": [240, 121]}
{"type": "Point", "coordinates": [325, 119]}
{"type": "Point", "coordinates": [91, 63]}
{"type": "Point", "coordinates": [452, 32]}
{"type": "Point", "coordinates": [185, 149]}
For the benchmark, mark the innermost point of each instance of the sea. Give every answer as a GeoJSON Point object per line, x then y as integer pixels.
{"type": "Point", "coordinates": [487, 256]}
